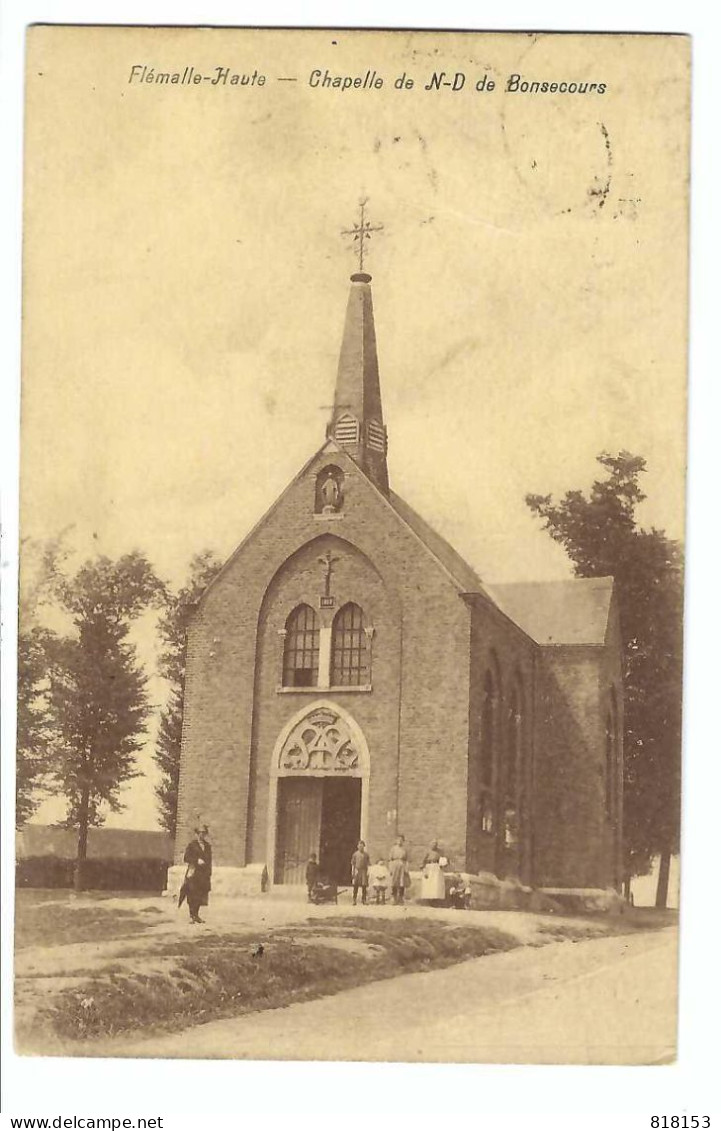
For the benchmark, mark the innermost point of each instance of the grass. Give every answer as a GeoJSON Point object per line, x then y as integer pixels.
{"type": "Point", "coordinates": [218, 976]}
{"type": "Point", "coordinates": [649, 918]}
{"type": "Point", "coordinates": [54, 918]}
{"type": "Point", "coordinates": [593, 925]}
{"type": "Point", "coordinates": [165, 983]}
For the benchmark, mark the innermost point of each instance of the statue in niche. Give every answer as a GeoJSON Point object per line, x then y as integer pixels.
{"type": "Point", "coordinates": [330, 496]}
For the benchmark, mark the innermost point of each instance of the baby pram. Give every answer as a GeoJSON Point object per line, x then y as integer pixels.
{"type": "Point", "coordinates": [324, 892]}
{"type": "Point", "coordinates": [458, 894]}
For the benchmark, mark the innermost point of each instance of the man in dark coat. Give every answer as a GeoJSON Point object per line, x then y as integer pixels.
{"type": "Point", "coordinates": [196, 886]}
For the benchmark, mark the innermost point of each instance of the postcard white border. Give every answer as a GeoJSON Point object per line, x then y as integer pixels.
{"type": "Point", "coordinates": [344, 1093]}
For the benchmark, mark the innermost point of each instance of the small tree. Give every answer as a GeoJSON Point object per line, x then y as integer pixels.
{"type": "Point", "coordinates": [601, 536]}
{"type": "Point", "coordinates": [98, 695]}
{"type": "Point", "coordinates": [172, 628]}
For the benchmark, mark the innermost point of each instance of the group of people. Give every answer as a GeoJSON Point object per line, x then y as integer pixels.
{"type": "Point", "coordinates": [379, 877]}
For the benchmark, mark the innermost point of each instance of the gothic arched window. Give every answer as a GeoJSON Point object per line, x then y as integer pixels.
{"type": "Point", "coordinates": [302, 648]}
{"type": "Point", "coordinates": [488, 754]}
{"type": "Point", "coordinates": [350, 662]}
{"type": "Point", "coordinates": [610, 762]}
{"type": "Point", "coordinates": [513, 778]}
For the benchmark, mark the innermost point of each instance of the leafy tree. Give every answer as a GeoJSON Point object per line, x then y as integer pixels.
{"type": "Point", "coordinates": [172, 628]}
{"type": "Point", "coordinates": [40, 562]}
{"type": "Point", "coordinates": [601, 536]}
{"type": "Point", "coordinates": [98, 689]}
{"type": "Point", "coordinates": [32, 766]}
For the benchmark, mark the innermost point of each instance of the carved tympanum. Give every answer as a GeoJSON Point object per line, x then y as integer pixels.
{"type": "Point", "coordinates": [320, 744]}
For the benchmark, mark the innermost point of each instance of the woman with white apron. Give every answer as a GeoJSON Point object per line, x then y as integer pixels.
{"type": "Point", "coordinates": [433, 885]}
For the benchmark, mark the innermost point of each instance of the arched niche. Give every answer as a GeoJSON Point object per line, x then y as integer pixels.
{"type": "Point", "coordinates": [329, 490]}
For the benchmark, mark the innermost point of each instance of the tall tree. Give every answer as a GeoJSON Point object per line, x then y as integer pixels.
{"type": "Point", "coordinates": [172, 627]}
{"type": "Point", "coordinates": [40, 563]}
{"type": "Point", "coordinates": [98, 689]}
{"type": "Point", "coordinates": [601, 536]}
{"type": "Point", "coordinates": [32, 766]}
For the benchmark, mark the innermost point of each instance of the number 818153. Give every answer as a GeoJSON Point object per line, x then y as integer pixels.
{"type": "Point", "coordinates": [680, 1121]}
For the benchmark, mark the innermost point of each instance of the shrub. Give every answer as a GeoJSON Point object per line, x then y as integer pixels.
{"type": "Point", "coordinates": [44, 872]}
{"type": "Point", "coordinates": [112, 873]}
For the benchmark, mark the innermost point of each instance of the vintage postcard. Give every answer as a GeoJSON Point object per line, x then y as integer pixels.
{"type": "Point", "coordinates": [352, 512]}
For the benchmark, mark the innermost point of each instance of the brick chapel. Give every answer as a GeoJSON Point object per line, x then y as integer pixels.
{"type": "Point", "coordinates": [350, 676]}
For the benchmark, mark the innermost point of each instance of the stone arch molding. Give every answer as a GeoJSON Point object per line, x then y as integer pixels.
{"type": "Point", "coordinates": [320, 740]}
{"type": "Point", "coordinates": [337, 542]}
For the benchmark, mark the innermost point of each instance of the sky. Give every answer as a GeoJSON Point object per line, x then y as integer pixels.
{"type": "Point", "coordinates": [185, 283]}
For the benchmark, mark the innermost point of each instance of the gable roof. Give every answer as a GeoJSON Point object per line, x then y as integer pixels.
{"type": "Point", "coordinates": [328, 446]}
{"type": "Point", "coordinates": [572, 611]}
{"type": "Point", "coordinates": [461, 572]}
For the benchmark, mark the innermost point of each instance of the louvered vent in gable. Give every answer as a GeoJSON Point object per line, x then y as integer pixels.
{"type": "Point", "coordinates": [346, 429]}
{"type": "Point", "coordinates": [376, 436]}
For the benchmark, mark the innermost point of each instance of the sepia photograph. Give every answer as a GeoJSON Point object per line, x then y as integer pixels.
{"type": "Point", "coordinates": [352, 503]}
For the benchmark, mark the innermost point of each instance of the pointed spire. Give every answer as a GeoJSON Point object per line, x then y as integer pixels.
{"type": "Point", "coordinates": [357, 420]}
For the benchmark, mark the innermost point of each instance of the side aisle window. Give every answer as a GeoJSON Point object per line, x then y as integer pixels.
{"type": "Point", "coordinates": [489, 724]}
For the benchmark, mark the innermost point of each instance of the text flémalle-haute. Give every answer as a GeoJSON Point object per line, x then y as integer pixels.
{"type": "Point", "coordinates": [370, 80]}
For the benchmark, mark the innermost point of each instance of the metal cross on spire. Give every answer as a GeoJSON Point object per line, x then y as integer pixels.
{"type": "Point", "coordinates": [361, 232]}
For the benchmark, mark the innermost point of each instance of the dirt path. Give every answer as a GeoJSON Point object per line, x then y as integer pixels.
{"type": "Point", "coordinates": [258, 916]}
{"type": "Point", "coordinates": [607, 1000]}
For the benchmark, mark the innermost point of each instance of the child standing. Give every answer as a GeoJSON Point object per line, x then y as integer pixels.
{"type": "Point", "coordinates": [378, 877]}
{"type": "Point", "coordinates": [311, 874]}
{"type": "Point", "coordinates": [359, 871]}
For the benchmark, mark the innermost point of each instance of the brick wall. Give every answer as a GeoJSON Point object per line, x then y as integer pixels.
{"type": "Point", "coordinates": [501, 648]}
{"type": "Point", "coordinates": [567, 769]}
{"type": "Point", "coordinates": [576, 844]}
{"type": "Point", "coordinates": [376, 713]}
{"type": "Point", "coordinates": [415, 718]}
{"type": "Point", "coordinates": [431, 650]}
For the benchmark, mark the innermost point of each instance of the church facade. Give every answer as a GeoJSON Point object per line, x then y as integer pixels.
{"type": "Point", "coordinates": [350, 676]}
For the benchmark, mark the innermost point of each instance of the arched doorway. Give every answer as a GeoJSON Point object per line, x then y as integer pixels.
{"type": "Point", "coordinates": [318, 794]}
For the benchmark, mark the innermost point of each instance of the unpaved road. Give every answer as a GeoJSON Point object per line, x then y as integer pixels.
{"type": "Point", "coordinates": [603, 1001]}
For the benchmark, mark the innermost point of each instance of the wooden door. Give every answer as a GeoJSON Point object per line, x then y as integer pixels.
{"type": "Point", "coordinates": [299, 811]}
{"type": "Point", "coordinates": [340, 827]}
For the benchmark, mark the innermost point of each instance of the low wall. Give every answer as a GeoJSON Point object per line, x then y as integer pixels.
{"type": "Point", "coordinates": [226, 881]}
{"type": "Point", "coordinates": [486, 891]}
